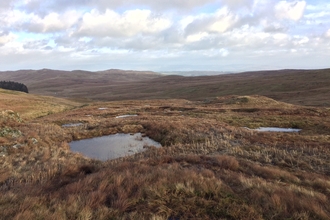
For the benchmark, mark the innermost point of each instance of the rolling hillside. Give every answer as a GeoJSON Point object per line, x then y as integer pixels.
{"type": "Point", "coordinates": [211, 166]}
{"type": "Point", "coordinates": [33, 106]}
{"type": "Point", "coordinates": [69, 83]}
{"type": "Point", "coordinates": [304, 87]}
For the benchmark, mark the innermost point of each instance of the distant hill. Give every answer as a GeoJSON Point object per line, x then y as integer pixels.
{"type": "Point", "coordinates": [65, 83]}
{"type": "Point", "coordinates": [304, 87]}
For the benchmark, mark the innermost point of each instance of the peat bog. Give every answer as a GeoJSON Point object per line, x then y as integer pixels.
{"type": "Point", "coordinates": [209, 165]}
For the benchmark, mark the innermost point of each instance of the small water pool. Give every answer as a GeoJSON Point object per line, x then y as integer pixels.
{"type": "Point", "coordinates": [112, 146]}
{"type": "Point", "coordinates": [275, 129]}
{"type": "Point", "coordinates": [126, 116]}
{"type": "Point", "coordinates": [72, 125]}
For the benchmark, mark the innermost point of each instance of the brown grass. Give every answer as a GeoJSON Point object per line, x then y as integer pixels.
{"type": "Point", "coordinates": [209, 167]}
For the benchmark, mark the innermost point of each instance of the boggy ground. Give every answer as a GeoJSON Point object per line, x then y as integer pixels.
{"type": "Point", "coordinates": [210, 166]}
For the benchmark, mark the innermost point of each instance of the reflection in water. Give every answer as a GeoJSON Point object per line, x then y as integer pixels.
{"type": "Point", "coordinates": [112, 146]}
{"type": "Point", "coordinates": [274, 129]}
{"type": "Point", "coordinates": [126, 116]}
{"type": "Point", "coordinates": [72, 125]}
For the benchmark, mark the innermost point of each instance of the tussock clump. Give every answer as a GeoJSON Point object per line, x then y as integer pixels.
{"type": "Point", "coordinates": [251, 101]}
{"type": "Point", "coordinates": [10, 115]}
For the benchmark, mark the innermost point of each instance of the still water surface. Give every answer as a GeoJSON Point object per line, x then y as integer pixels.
{"type": "Point", "coordinates": [112, 146]}
{"type": "Point", "coordinates": [275, 129]}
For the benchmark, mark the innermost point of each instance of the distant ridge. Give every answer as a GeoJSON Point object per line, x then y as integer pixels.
{"type": "Point", "coordinates": [112, 71]}
{"type": "Point", "coordinates": [304, 87]}
{"type": "Point", "coordinates": [65, 83]}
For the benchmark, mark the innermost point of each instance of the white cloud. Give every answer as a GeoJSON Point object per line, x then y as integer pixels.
{"type": "Point", "coordinates": [223, 52]}
{"type": "Point", "coordinates": [218, 22]}
{"type": "Point", "coordinates": [293, 10]}
{"type": "Point", "coordinates": [300, 40]}
{"type": "Point", "coordinates": [12, 17]}
{"type": "Point", "coordinates": [197, 37]}
{"type": "Point", "coordinates": [327, 34]}
{"type": "Point", "coordinates": [223, 21]}
{"type": "Point", "coordinates": [53, 22]}
{"type": "Point", "coordinates": [250, 39]}
{"type": "Point", "coordinates": [128, 24]}
{"type": "Point", "coordinates": [6, 38]}
{"type": "Point", "coordinates": [89, 33]}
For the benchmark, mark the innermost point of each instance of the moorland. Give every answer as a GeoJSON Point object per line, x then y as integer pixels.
{"type": "Point", "coordinates": [302, 87]}
{"type": "Point", "coordinates": [212, 165]}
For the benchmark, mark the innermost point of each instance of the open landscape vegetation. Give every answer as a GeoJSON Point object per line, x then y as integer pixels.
{"type": "Point", "coordinates": [213, 164]}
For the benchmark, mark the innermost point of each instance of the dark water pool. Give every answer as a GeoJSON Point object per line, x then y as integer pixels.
{"type": "Point", "coordinates": [112, 146]}
{"type": "Point", "coordinates": [72, 125]}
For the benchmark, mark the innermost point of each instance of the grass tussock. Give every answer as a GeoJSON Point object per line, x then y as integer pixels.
{"type": "Point", "coordinates": [210, 166]}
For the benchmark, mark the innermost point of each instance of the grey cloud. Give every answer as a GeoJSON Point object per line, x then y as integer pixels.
{"type": "Point", "coordinates": [5, 37]}
{"type": "Point", "coordinates": [66, 41]}
{"type": "Point", "coordinates": [172, 35]}
{"type": "Point", "coordinates": [255, 35]}
{"type": "Point", "coordinates": [145, 43]}
{"type": "Point", "coordinates": [198, 25]}
{"type": "Point", "coordinates": [47, 48]}
{"type": "Point", "coordinates": [248, 20]}
{"type": "Point", "coordinates": [162, 61]}
{"type": "Point", "coordinates": [170, 38]}
{"type": "Point", "coordinates": [35, 45]}
{"type": "Point", "coordinates": [42, 7]}
{"type": "Point", "coordinates": [106, 42]}
{"type": "Point", "coordinates": [32, 27]}
{"type": "Point", "coordinates": [36, 6]}
{"type": "Point", "coordinates": [5, 4]}
{"type": "Point", "coordinates": [276, 28]}
{"type": "Point", "coordinates": [138, 43]}
{"type": "Point", "coordinates": [38, 28]}
{"type": "Point", "coordinates": [211, 42]}
{"type": "Point", "coordinates": [173, 4]}
{"type": "Point", "coordinates": [4, 33]}
{"type": "Point", "coordinates": [234, 4]}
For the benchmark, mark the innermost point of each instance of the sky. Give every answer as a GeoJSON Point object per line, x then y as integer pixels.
{"type": "Point", "coordinates": [159, 35]}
